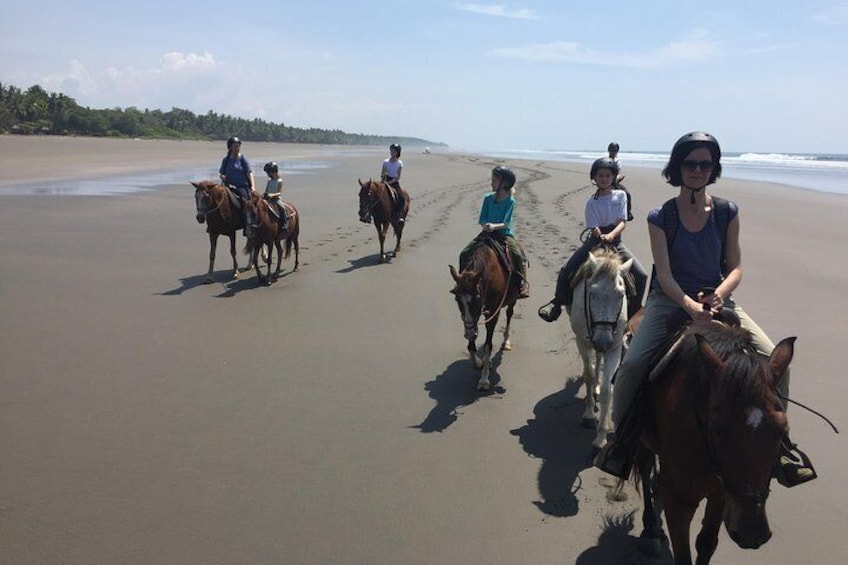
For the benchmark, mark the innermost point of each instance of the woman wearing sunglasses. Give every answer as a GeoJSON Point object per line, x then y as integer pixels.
{"type": "Point", "coordinates": [695, 246]}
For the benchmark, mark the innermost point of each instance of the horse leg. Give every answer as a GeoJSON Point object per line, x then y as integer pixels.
{"type": "Point", "coordinates": [213, 245]}
{"type": "Point", "coordinates": [707, 539]}
{"type": "Point", "coordinates": [507, 345]}
{"type": "Point", "coordinates": [232, 237]}
{"type": "Point", "coordinates": [679, 517]}
{"type": "Point", "coordinates": [279, 247]}
{"type": "Point", "coordinates": [652, 536]}
{"type": "Point", "coordinates": [483, 383]}
{"type": "Point", "coordinates": [296, 254]}
{"type": "Point", "coordinates": [398, 228]}
{"type": "Point", "coordinates": [472, 354]}
{"type": "Point", "coordinates": [610, 362]}
{"type": "Point", "coordinates": [590, 379]}
{"type": "Point", "coordinates": [381, 235]}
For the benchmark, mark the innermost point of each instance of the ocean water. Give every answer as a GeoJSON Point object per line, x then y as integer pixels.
{"type": "Point", "coordinates": [824, 173]}
{"type": "Point", "coordinates": [146, 181]}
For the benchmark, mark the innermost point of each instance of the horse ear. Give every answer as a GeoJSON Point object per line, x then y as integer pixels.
{"type": "Point", "coordinates": [361, 184]}
{"type": "Point", "coordinates": [454, 274]}
{"type": "Point", "coordinates": [194, 184]}
{"type": "Point", "coordinates": [625, 267]}
{"type": "Point", "coordinates": [782, 356]}
{"type": "Point", "coordinates": [708, 355]}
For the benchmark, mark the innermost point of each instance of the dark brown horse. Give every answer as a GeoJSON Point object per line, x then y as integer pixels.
{"type": "Point", "coordinates": [484, 288]}
{"type": "Point", "coordinates": [214, 207]}
{"type": "Point", "coordinates": [715, 422]}
{"type": "Point", "coordinates": [265, 232]}
{"type": "Point", "coordinates": [376, 202]}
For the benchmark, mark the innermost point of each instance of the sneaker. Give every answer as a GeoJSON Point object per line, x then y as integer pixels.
{"type": "Point", "coordinates": [794, 467]}
{"type": "Point", "coordinates": [552, 314]}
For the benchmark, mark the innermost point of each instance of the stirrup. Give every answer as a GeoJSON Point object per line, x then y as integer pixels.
{"type": "Point", "coordinates": [793, 468]}
{"type": "Point", "coordinates": [615, 460]}
{"type": "Point", "coordinates": [551, 315]}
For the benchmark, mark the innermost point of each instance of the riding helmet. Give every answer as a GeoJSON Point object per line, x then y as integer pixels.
{"type": "Point", "coordinates": [395, 147]}
{"type": "Point", "coordinates": [271, 167]}
{"type": "Point", "coordinates": [232, 141]}
{"type": "Point", "coordinates": [506, 175]}
{"type": "Point", "coordinates": [613, 146]}
{"type": "Point", "coordinates": [603, 163]}
{"type": "Point", "coordinates": [684, 146]}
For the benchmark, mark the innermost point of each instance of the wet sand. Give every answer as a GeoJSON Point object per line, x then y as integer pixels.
{"type": "Point", "coordinates": [332, 417]}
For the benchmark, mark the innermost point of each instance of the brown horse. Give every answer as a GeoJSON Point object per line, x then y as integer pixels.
{"type": "Point", "coordinates": [484, 287]}
{"type": "Point", "coordinates": [214, 207]}
{"type": "Point", "coordinates": [375, 201]}
{"type": "Point", "coordinates": [265, 232]}
{"type": "Point", "coordinates": [715, 422]}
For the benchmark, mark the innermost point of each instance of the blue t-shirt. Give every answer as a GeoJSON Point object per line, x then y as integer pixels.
{"type": "Point", "coordinates": [694, 257]}
{"type": "Point", "coordinates": [495, 212]}
{"type": "Point", "coordinates": [236, 171]}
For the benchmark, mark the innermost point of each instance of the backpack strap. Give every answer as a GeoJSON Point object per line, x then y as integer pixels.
{"type": "Point", "coordinates": [721, 209]}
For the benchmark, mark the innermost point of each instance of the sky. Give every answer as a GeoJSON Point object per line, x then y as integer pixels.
{"type": "Point", "coordinates": [765, 76]}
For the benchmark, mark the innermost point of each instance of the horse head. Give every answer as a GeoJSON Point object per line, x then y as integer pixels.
{"type": "Point", "coordinates": [468, 299]}
{"type": "Point", "coordinates": [202, 199]}
{"type": "Point", "coordinates": [745, 423]}
{"type": "Point", "coordinates": [367, 198]}
{"type": "Point", "coordinates": [605, 301]}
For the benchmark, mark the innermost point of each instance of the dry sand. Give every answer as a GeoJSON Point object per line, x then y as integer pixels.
{"type": "Point", "coordinates": [332, 418]}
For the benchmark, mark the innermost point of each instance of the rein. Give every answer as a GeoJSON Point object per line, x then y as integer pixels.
{"type": "Point", "coordinates": [590, 322]}
{"type": "Point", "coordinates": [500, 306]}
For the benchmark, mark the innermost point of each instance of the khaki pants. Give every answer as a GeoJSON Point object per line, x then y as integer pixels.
{"type": "Point", "coordinates": [652, 334]}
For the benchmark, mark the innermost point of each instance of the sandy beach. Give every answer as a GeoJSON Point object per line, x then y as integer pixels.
{"type": "Point", "coordinates": [332, 417]}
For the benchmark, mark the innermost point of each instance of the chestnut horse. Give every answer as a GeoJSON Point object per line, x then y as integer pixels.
{"type": "Point", "coordinates": [212, 201]}
{"type": "Point", "coordinates": [599, 319]}
{"type": "Point", "coordinates": [375, 200]}
{"type": "Point", "coordinates": [265, 231]}
{"type": "Point", "coordinates": [484, 287]}
{"type": "Point", "coordinates": [715, 422]}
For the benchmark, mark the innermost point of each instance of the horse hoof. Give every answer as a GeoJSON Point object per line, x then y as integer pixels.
{"type": "Point", "coordinates": [209, 280]}
{"type": "Point", "coordinates": [589, 423]}
{"type": "Point", "coordinates": [483, 387]}
{"type": "Point", "coordinates": [507, 346]}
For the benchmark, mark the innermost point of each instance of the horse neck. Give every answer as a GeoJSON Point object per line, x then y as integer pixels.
{"type": "Point", "coordinates": [493, 279]}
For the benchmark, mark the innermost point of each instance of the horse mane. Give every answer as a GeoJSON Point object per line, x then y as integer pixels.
{"type": "Point", "coordinates": [609, 265]}
{"type": "Point", "coordinates": [746, 377]}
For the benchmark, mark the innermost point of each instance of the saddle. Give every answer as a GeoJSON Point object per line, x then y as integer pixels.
{"type": "Point", "coordinates": [501, 252]}
{"type": "Point", "coordinates": [235, 199]}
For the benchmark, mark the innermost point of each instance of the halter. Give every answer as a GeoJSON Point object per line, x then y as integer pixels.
{"type": "Point", "coordinates": [207, 196]}
{"type": "Point", "coordinates": [755, 496]}
{"type": "Point", "coordinates": [372, 195]}
{"type": "Point", "coordinates": [590, 321]}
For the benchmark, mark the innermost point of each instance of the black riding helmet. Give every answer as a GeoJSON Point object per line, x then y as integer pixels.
{"type": "Point", "coordinates": [271, 167]}
{"type": "Point", "coordinates": [506, 175]}
{"type": "Point", "coordinates": [603, 163]}
{"type": "Point", "coordinates": [395, 147]}
{"type": "Point", "coordinates": [232, 141]}
{"type": "Point", "coordinates": [613, 146]}
{"type": "Point", "coordinates": [684, 146]}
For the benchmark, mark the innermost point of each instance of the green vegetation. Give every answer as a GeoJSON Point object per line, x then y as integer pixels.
{"type": "Point", "coordinates": [35, 111]}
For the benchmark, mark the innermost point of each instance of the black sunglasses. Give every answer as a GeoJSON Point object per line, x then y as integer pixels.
{"type": "Point", "coordinates": [692, 165]}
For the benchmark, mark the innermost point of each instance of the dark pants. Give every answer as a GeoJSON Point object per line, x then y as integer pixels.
{"type": "Point", "coordinates": [519, 260]}
{"type": "Point", "coordinates": [565, 291]}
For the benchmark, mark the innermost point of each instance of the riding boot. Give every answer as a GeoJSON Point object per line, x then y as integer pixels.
{"type": "Point", "coordinates": [616, 458]}
{"type": "Point", "coordinates": [524, 284]}
{"type": "Point", "coordinates": [561, 298]}
{"type": "Point", "coordinates": [793, 466]}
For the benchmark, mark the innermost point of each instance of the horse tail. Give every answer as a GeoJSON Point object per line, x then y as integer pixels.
{"type": "Point", "coordinates": [294, 230]}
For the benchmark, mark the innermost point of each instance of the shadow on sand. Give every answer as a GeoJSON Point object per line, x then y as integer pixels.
{"type": "Point", "coordinates": [367, 261]}
{"type": "Point", "coordinates": [616, 545]}
{"type": "Point", "coordinates": [455, 388]}
{"type": "Point", "coordinates": [555, 436]}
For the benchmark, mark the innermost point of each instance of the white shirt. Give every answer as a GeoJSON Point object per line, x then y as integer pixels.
{"type": "Point", "coordinates": [606, 210]}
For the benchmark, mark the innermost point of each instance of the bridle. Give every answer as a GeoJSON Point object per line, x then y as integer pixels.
{"type": "Point", "coordinates": [591, 323]}
{"type": "Point", "coordinates": [374, 199]}
{"type": "Point", "coordinates": [206, 196]}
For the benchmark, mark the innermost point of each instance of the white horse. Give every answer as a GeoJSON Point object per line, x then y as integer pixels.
{"type": "Point", "coordinates": [599, 319]}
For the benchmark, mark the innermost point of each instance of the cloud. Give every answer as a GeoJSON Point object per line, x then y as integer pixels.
{"type": "Point", "coordinates": [697, 48]}
{"type": "Point", "coordinates": [835, 15]}
{"type": "Point", "coordinates": [174, 61]}
{"type": "Point", "coordinates": [497, 10]}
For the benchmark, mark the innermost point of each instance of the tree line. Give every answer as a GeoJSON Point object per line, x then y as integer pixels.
{"type": "Point", "coordinates": [35, 111]}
